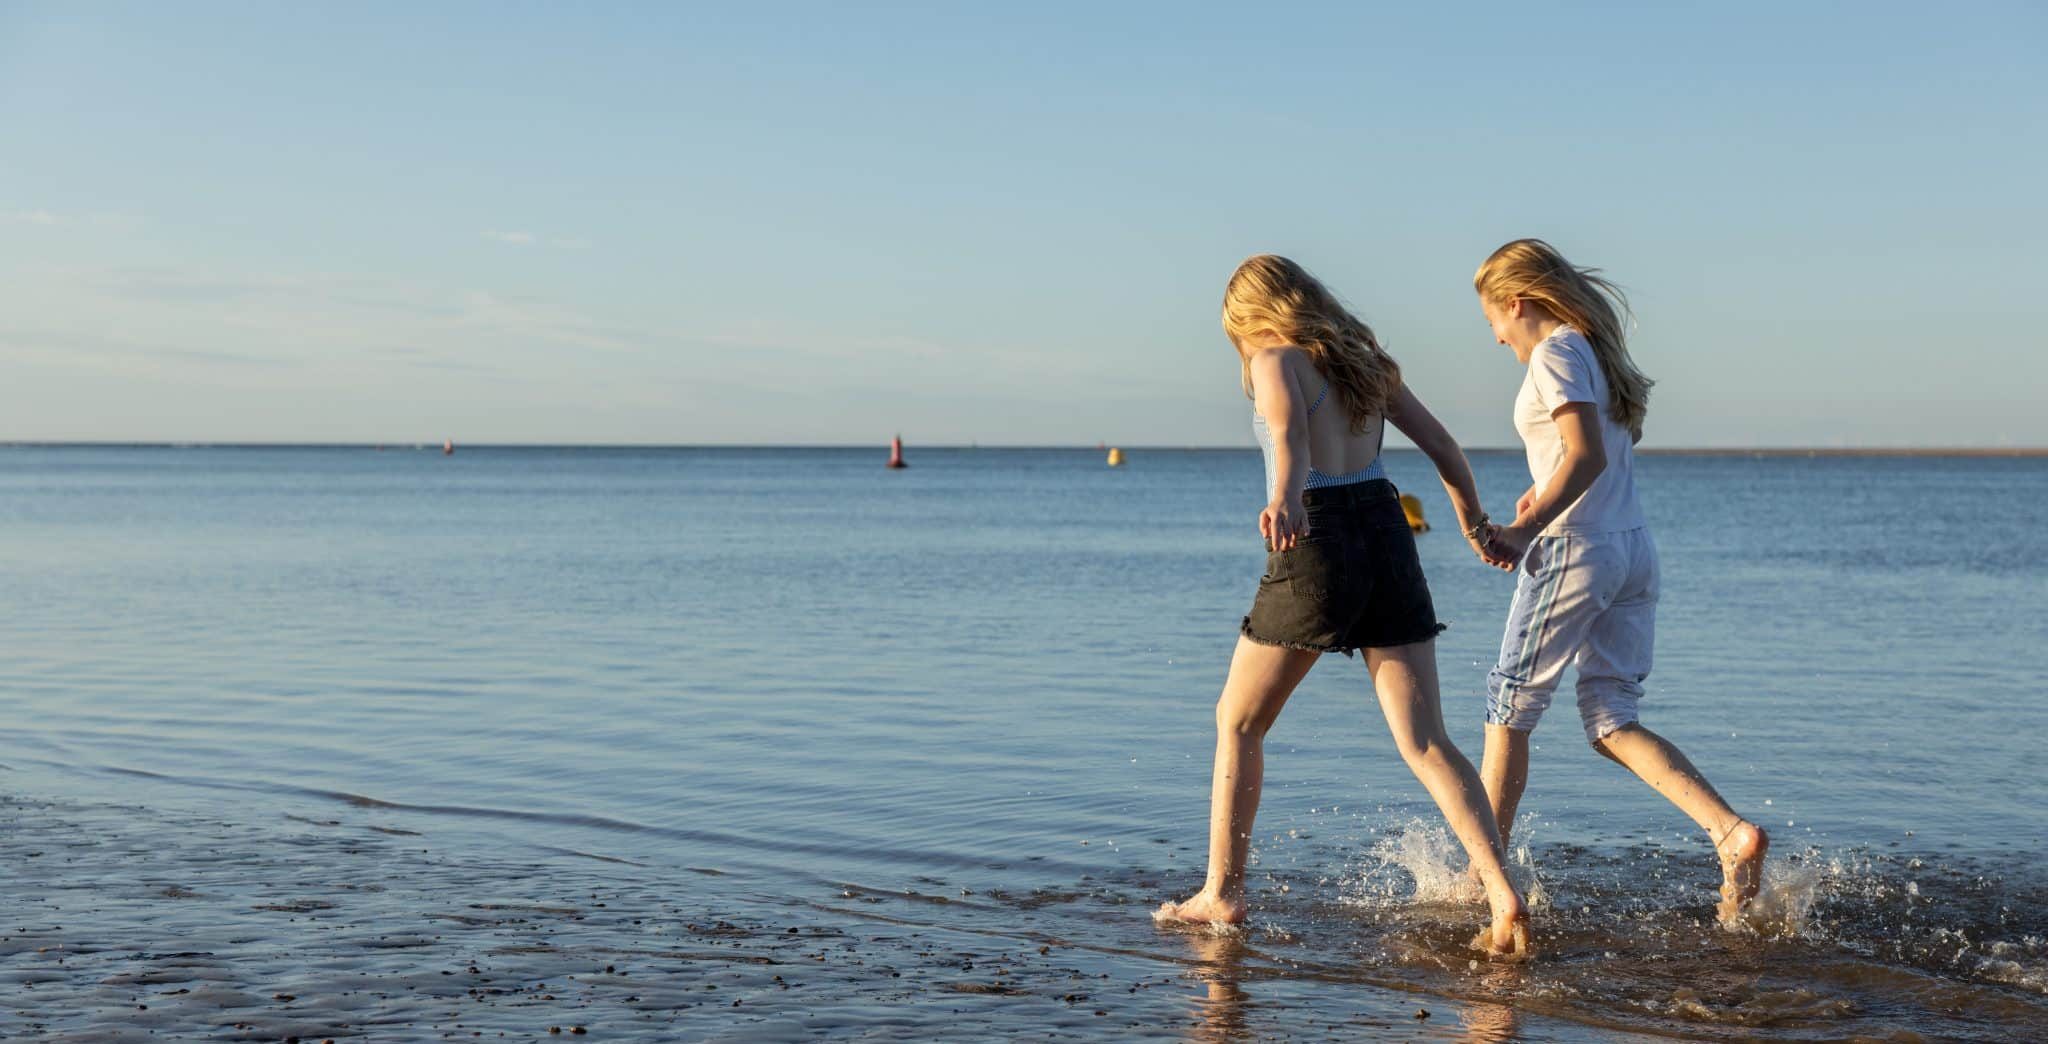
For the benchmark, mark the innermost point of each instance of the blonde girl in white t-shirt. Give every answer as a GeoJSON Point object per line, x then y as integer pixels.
{"type": "Point", "coordinates": [1586, 593]}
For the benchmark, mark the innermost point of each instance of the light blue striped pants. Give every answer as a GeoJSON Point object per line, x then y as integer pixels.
{"type": "Point", "coordinates": [1581, 600]}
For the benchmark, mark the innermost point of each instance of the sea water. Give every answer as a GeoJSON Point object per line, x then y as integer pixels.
{"type": "Point", "coordinates": [776, 743]}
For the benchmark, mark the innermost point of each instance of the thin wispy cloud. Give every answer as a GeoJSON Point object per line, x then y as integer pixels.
{"type": "Point", "coordinates": [96, 352]}
{"type": "Point", "coordinates": [313, 294]}
{"type": "Point", "coordinates": [50, 219]}
{"type": "Point", "coordinates": [528, 239]}
{"type": "Point", "coordinates": [320, 316]}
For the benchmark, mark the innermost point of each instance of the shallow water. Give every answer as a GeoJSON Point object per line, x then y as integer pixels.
{"type": "Point", "coordinates": [310, 734]}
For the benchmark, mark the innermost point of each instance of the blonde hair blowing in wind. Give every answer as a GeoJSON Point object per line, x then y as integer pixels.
{"type": "Point", "coordinates": [1269, 293]}
{"type": "Point", "coordinates": [1532, 270]}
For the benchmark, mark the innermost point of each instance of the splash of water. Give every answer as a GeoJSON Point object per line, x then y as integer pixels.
{"type": "Point", "coordinates": [1789, 891]}
{"type": "Point", "coordinates": [1422, 864]}
{"type": "Point", "coordinates": [1961, 925]}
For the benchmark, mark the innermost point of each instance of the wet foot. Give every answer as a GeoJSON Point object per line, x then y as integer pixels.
{"type": "Point", "coordinates": [1742, 851]}
{"type": "Point", "coordinates": [1204, 907]}
{"type": "Point", "coordinates": [1507, 938]}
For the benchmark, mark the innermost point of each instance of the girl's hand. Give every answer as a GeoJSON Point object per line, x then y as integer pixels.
{"type": "Point", "coordinates": [1510, 543]}
{"type": "Point", "coordinates": [1482, 545]}
{"type": "Point", "coordinates": [1522, 505]}
{"type": "Point", "coordinates": [1283, 523]}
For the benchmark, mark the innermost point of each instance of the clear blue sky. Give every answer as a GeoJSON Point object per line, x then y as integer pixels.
{"type": "Point", "coordinates": [769, 223]}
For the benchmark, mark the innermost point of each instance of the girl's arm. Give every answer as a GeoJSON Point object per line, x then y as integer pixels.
{"type": "Point", "coordinates": [1585, 457]}
{"type": "Point", "coordinates": [1283, 521]}
{"type": "Point", "coordinates": [1411, 418]}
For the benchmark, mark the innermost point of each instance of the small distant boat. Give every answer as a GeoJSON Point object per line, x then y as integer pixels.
{"type": "Point", "coordinates": [447, 447]}
{"type": "Point", "coordinates": [1116, 457]}
{"type": "Point", "coordinates": [896, 453]}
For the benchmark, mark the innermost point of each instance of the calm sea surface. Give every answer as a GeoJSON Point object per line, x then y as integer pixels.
{"type": "Point", "coordinates": [775, 744]}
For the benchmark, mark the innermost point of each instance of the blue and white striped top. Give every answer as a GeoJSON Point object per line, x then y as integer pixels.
{"type": "Point", "coordinates": [1316, 479]}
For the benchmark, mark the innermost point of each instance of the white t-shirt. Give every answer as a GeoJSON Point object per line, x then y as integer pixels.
{"type": "Point", "coordinates": [1564, 369]}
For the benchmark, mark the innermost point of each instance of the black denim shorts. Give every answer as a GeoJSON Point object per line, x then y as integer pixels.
{"type": "Point", "coordinates": [1353, 582]}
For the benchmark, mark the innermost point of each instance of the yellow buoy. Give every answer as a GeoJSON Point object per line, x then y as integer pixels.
{"type": "Point", "coordinates": [1411, 505]}
{"type": "Point", "coordinates": [1116, 457]}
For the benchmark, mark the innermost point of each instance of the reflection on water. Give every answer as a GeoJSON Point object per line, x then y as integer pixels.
{"type": "Point", "coordinates": [1220, 1010]}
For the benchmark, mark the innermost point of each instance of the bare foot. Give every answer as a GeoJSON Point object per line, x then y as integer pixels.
{"type": "Point", "coordinates": [1204, 907]}
{"type": "Point", "coordinates": [1507, 938]}
{"type": "Point", "coordinates": [1742, 851]}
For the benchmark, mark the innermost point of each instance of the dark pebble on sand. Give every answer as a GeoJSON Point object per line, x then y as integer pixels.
{"type": "Point", "coordinates": [1422, 1013]}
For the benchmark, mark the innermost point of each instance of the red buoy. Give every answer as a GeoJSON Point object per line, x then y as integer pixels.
{"type": "Point", "coordinates": [896, 453]}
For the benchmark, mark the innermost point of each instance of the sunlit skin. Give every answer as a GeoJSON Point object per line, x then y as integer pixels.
{"type": "Point", "coordinates": [1404, 678]}
{"type": "Point", "coordinates": [1521, 325]}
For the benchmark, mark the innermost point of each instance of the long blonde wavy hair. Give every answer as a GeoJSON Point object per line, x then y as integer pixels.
{"type": "Point", "coordinates": [1532, 270]}
{"type": "Point", "coordinates": [1270, 294]}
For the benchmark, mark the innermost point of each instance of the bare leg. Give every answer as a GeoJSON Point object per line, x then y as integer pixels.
{"type": "Point", "coordinates": [1740, 843]}
{"type": "Point", "coordinates": [1405, 679]}
{"type": "Point", "coordinates": [1505, 770]}
{"type": "Point", "coordinates": [1261, 678]}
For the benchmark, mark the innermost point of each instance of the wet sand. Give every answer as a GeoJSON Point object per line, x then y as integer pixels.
{"type": "Point", "coordinates": [124, 923]}
{"type": "Point", "coordinates": [127, 924]}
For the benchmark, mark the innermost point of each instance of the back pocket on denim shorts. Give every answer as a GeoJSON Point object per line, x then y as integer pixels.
{"type": "Point", "coordinates": [1312, 571]}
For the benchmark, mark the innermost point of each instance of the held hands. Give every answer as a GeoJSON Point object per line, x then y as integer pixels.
{"type": "Point", "coordinates": [1502, 547]}
{"type": "Point", "coordinates": [1498, 546]}
{"type": "Point", "coordinates": [1511, 542]}
{"type": "Point", "coordinates": [1283, 523]}
{"type": "Point", "coordinates": [1481, 537]}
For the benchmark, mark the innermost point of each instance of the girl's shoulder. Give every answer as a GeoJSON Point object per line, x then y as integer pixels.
{"type": "Point", "coordinates": [1280, 360]}
{"type": "Point", "coordinates": [1565, 344]}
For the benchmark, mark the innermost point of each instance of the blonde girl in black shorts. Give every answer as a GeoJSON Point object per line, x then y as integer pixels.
{"type": "Point", "coordinates": [1341, 574]}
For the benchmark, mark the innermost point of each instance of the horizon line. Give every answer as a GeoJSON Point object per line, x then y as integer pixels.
{"type": "Point", "coordinates": [1762, 451]}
